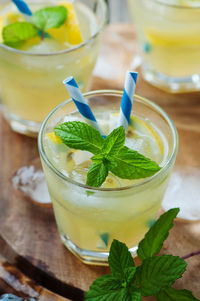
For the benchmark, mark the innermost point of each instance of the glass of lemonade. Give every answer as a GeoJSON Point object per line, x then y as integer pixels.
{"type": "Point", "coordinates": [90, 218]}
{"type": "Point", "coordinates": [169, 38]}
{"type": "Point", "coordinates": [31, 77]}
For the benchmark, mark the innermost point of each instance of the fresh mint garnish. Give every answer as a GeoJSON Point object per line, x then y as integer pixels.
{"type": "Point", "coordinates": [110, 154]}
{"type": "Point", "coordinates": [80, 135]}
{"type": "Point", "coordinates": [120, 259]}
{"type": "Point", "coordinates": [129, 164]}
{"type": "Point", "coordinates": [153, 277]}
{"type": "Point", "coordinates": [106, 288]}
{"type": "Point", "coordinates": [156, 273]}
{"type": "Point", "coordinates": [114, 142]}
{"type": "Point", "coordinates": [171, 294]}
{"type": "Point", "coordinates": [49, 17]}
{"type": "Point", "coordinates": [97, 174]}
{"type": "Point", "coordinates": [16, 33]}
{"type": "Point", "coordinates": [154, 238]}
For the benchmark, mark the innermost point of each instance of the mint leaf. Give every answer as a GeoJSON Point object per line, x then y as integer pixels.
{"type": "Point", "coordinates": [109, 288]}
{"type": "Point", "coordinates": [120, 259]}
{"type": "Point", "coordinates": [114, 142]}
{"type": "Point", "coordinates": [110, 154]}
{"type": "Point", "coordinates": [159, 272]}
{"type": "Point", "coordinates": [131, 294]}
{"type": "Point", "coordinates": [129, 274]}
{"type": "Point", "coordinates": [16, 33]}
{"type": "Point", "coordinates": [105, 288]}
{"type": "Point", "coordinates": [97, 174]}
{"type": "Point", "coordinates": [129, 164]}
{"type": "Point", "coordinates": [154, 238]}
{"type": "Point", "coordinates": [105, 238]}
{"type": "Point", "coordinates": [80, 135]}
{"type": "Point", "coordinates": [49, 17]}
{"type": "Point", "coordinates": [171, 294]}
{"type": "Point", "coordinates": [98, 158]}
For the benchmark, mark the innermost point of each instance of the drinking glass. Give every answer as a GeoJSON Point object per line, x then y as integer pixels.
{"type": "Point", "coordinates": [169, 37]}
{"type": "Point", "coordinates": [31, 83]}
{"type": "Point", "coordinates": [89, 218]}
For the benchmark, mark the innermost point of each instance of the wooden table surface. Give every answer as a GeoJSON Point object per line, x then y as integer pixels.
{"type": "Point", "coordinates": [33, 261]}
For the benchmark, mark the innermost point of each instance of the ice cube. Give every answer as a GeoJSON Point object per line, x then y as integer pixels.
{"type": "Point", "coordinates": [184, 192]}
{"type": "Point", "coordinates": [32, 183]}
{"type": "Point", "coordinates": [48, 45]}
{"type": "Point", "coordinates": [137, 144]}
{"type": "Point", "coordinates": [80, 157]}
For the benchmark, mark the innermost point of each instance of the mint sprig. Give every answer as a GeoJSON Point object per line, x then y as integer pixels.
{"type": "Point", "coordinates": [156, 273]}
{"type": "Point", "coordinates": [50, 17]}
{"type": "Point", "coordinates": [80, 135]}
{"type": "Point", "coordinates": [153, 277]}
{"type": "Point", "coordinates": [153, 240]}
{"type": "Point", "coordinates": [110, 154]}
{"type": "Point", "coordinates": [18, 32]}
{"type": "Point", "coordinates": [97, 174]}
{"type": "Point", "coordinates": [171, 294]}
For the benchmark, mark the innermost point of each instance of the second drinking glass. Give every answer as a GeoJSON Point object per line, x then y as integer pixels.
{"type": "Point", "coordinates": [31, 81]}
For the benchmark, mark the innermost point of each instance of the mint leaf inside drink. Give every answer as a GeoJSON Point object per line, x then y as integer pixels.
{"type": "Point", "coordinates": [110, 154]}
{"type": "Point", "coordinates": [16, 33]}
{"type": "Point", "coordinates": [49, 17]}
{"type": "Point", "coordinates": [157, 234]}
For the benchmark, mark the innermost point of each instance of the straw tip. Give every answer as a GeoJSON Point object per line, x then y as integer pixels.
{"type": "Point", "coordinates": [70, 81]}
{"type": "Point", "coordinates": [133, 74]}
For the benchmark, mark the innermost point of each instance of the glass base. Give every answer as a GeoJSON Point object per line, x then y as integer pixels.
{"type": "Point", "coordinates": [171, 84]}
{"type": "Point", "coordinates": [28, 128]}
{"type": "Point", "coordinates": [90, 257]}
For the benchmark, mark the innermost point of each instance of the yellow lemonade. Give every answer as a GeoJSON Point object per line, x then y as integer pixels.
{"type": "Point", "coordinates": [89, 219]}
{"type": "Point", "coordinates": [169, 37]}
{"type": "Point", "coordinates": [31, 75]}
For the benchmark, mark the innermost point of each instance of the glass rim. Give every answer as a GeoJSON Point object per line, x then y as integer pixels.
{"type": "Point", "coordinates": [60, 52]}
{"type": "Point", "coordinates": [176, 5]}
{"type": "Point", "coordinates": [96, 189]}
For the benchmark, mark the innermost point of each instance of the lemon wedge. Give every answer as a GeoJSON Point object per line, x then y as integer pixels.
{"type": "Point", "coordinates": [52, 136]}
{"type": "Point", "coordinates": [70, 31]}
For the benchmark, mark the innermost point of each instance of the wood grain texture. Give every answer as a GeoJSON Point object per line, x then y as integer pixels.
{"type": "Point", "coordinates": [28, 236]}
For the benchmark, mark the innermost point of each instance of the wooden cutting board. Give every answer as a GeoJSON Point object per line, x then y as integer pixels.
{"type": "Point", "coordinates": [33, 261]}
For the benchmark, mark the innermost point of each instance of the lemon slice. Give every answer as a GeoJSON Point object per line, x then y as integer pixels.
{"type": "Point", "coordinates": [144, 128]}
{"type": "Point", "coordinates": [70, 31]}
{"type": "Point", "coordinates": [157, 38]}
{"type": "Point", "coordinates": [52, 136]}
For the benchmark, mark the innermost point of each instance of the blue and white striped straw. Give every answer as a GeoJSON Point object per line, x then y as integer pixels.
{"type": "Point", "coordinates": [81, 103]}
{"type": "Point", "coordinates": [127, 99]}
{"type": "Point", "coordinates": [22, 7]}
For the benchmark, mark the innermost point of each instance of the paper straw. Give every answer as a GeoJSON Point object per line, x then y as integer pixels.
{"type": "Point", "coordinates": [81, 103]}
{"type": "Point", "coordinates": [22, 7]}
{"type": "Point", "coordinates": [127, 99]}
